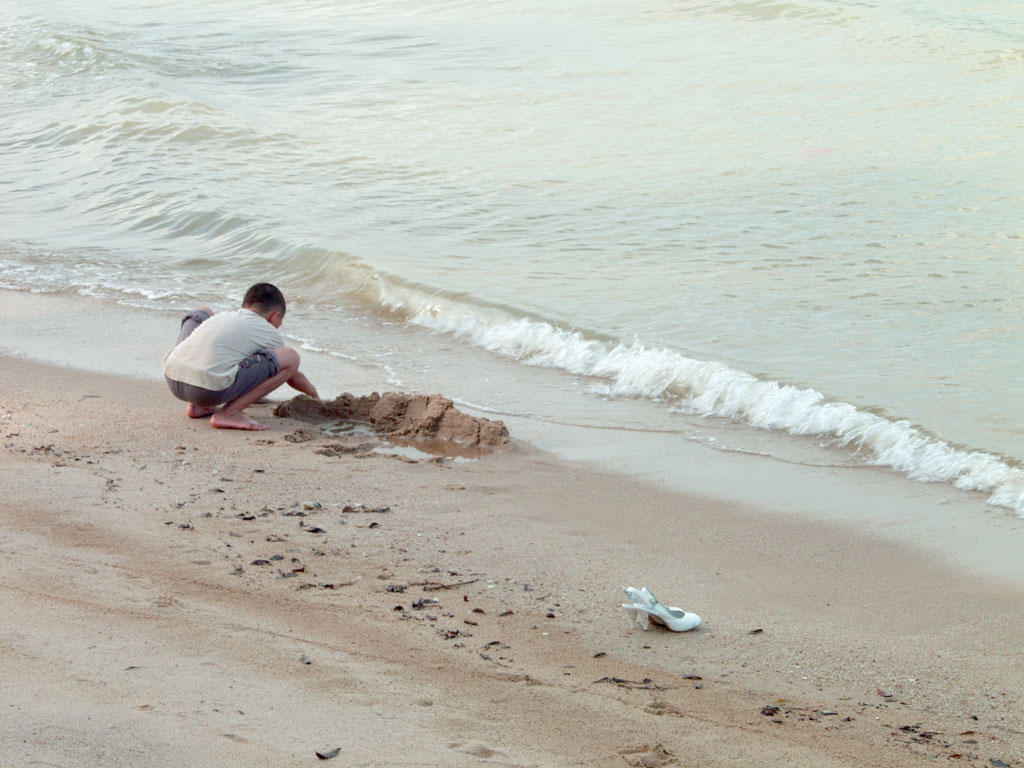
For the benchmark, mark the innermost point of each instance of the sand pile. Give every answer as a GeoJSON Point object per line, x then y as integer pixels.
{"type": "Point", "coordinates": [401, 415]}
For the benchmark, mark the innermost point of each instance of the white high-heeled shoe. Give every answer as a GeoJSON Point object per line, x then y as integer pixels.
{"type": "Point", "coordinates": [646, 607]}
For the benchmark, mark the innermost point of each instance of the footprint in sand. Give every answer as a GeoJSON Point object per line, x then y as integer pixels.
{"type": "Point", "coordinates": [646, 756]}
{"type": "Point", "coordinates": [167, 601]}
{"type": "Point", "coordinates": [477, 749]}
{"type": "Point", "coordinates": [658, 707]}
{"type": "Point", "coordinates": [517, 678]}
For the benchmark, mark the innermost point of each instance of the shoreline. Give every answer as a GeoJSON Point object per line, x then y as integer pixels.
{"type": "Point", "coordinates": [125, 524]}
{"type": "Point", "coordinates": [731, 463]}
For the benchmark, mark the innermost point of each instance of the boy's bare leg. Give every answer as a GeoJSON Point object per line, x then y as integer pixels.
{"type": "Point", "coordinates": [199, 411]}
{"type": "Point", "coordinates": [231, 415]}
{"type": "Point", "coordinates": [192, 410]}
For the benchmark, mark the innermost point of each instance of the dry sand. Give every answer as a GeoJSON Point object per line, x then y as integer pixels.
{"type": "Point", "coordinates": [164, 603]}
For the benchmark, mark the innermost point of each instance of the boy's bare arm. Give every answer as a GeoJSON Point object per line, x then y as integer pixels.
{"type": "Point", "coordinates": [304, 385]}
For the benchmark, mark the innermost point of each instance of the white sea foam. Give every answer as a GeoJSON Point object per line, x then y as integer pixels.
{"type": "Point", "coordinates": [710, 388]}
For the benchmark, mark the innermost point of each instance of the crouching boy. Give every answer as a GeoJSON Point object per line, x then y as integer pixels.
{"type": "Point", "coordinates": [224, 363]}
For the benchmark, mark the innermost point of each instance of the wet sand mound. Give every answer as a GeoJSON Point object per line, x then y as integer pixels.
{"type": "Point", "coordinates": [403, 416]}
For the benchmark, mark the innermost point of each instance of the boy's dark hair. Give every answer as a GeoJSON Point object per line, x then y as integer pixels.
{"type": "Point", "coordinates": [265, 297]}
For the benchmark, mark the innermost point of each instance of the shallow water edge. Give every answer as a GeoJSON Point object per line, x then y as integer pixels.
{"type": "Point", "coordinates": [762, 472]}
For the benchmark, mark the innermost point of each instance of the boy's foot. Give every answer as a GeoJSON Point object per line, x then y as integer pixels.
{"type": "Point", "coordinates": [197, 411]}
{"type": "Point", "coordinates": [235, 421]}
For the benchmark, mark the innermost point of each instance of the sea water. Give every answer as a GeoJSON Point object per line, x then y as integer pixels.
{"type": "Point", "coordinates": [722, 219]}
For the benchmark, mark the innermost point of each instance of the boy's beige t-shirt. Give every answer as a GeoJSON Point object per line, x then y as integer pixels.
{"type": "Point", "coordinates": [209, 357]}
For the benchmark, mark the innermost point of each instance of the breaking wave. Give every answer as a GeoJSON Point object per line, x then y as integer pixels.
{"type": "Point", "coordinates": [710, 388]}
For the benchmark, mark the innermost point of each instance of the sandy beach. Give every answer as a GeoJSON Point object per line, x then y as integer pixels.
{"type": "Point", "coordinates": [715, 298]}
{"type": "Point", "coordinates": [178, 595]}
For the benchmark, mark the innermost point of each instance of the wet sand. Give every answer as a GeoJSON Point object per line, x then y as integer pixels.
{"type": "Point", "coordinates": [174, 595]}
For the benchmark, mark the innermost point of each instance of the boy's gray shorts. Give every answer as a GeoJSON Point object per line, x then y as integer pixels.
{"type": "Point", "coordinates": [252, 371]}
